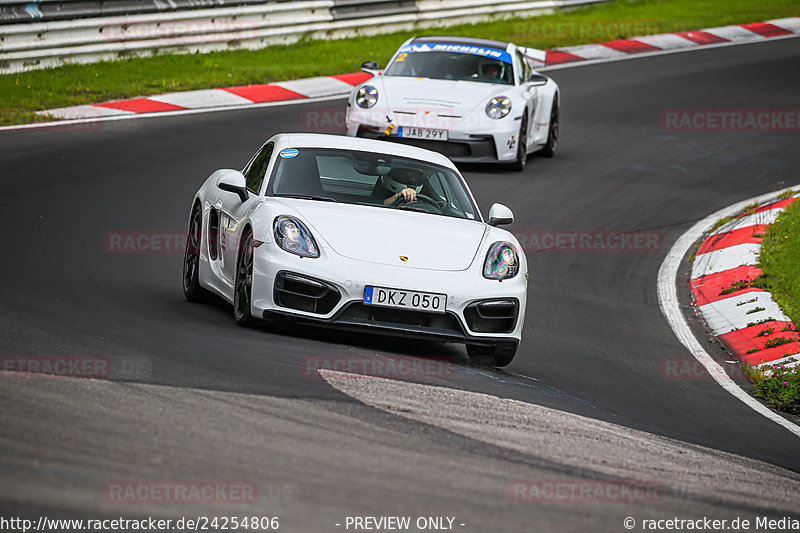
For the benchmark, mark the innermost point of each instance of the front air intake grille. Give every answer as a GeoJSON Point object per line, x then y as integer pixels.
{"type": "Point", "coordinates": [448, 148]}
{"type": "Point", "coordinates": [385, 316]}
{"type": "Point", "coordinates": [492, 316]}
{"type": "Point", "coordinates": [305, 294]}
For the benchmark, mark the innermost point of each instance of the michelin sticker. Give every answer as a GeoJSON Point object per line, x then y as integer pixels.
{"type": "Point", "coordinates": [288, 153]}
{"type": "Point", "coordinates": [483, 51]}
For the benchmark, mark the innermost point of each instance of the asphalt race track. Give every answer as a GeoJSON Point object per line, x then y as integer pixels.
{"type": "Point", "coordinates": [192, 396]}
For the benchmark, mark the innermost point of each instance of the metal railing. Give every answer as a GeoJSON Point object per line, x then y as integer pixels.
{"type": "Point", "coordinates": [236, 25]}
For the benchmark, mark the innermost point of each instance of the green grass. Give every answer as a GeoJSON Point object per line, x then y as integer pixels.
{"type": "Point", "coordinates": [780, 260]}
{"type": "Point", "coordinates": [23, 94]}
{"type": "Point", "coordinates": [780, 250]}
{"type": "Point", "coordinates": [778, 385]}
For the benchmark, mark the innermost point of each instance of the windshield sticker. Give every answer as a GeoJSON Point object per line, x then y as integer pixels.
{"type": "Point", "coordinates": [502, 55]}
{"type": "Point", "coordinates": [289, 153]}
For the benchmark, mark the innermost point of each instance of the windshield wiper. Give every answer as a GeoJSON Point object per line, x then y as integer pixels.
{"type": "Point", "coordinates": [417, 209]}
{"type": "Point", "coordinates": [307, 197]}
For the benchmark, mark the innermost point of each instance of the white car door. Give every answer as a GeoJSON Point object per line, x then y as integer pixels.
{"type": "Point", "coordinates": [232, 212]}
{"type": "Point", "coordinates": [528, 93]}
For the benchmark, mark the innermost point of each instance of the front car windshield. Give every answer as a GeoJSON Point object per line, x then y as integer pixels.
{"type": "Point", "coordinates": [366, 178]}
{"type": "Point", "coordinates": [453, 62]}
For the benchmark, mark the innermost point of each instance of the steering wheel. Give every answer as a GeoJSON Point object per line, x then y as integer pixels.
{"type": "Point", "coordinates": [421, 198]}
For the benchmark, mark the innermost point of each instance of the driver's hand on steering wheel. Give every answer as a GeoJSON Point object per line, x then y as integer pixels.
{"type": "Point", "coordinates": [408, 195]}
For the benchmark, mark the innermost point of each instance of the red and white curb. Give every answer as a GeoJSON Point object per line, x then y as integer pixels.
{"type": "Point", "coordinates": [229, 97]}
{"type": "Point", "coordinates": [746, 319]}
{"type": "Point", "coordinates": [667, 289]}
{"type": "Point", "coordinates": [684, 40]}
{"type": "Point", "coordinates": [342, 84]}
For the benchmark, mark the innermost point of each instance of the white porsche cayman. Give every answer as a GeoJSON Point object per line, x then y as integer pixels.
{"type": "Point", "coordinates": [358, 233]}
{"type": "Point", "coordinates": [474, 100]}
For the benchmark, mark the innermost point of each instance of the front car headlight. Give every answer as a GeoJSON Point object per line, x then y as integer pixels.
{"type": "Point", "coordinates": [294, 237]}
{"type": "Point", "coordinates": [367, 96]}
{"type": "Point", "coordinates": [498, 107]}
{"type": "Point", "coordinates": [502, 261]}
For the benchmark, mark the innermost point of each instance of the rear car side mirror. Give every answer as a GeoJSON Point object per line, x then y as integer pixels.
{"type": "Point", "coordinates": [499, 215]}
{"type": "Point", "coordinates": [234, 182]}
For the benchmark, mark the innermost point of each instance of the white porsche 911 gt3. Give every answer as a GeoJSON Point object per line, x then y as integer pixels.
{"type": "Point", "coordinates": [362, 234]}
{"type": "Point", "coordinates": [473, 100]}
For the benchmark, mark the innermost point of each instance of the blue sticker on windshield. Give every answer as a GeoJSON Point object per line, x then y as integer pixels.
{"type": "Point", "coordinates": [494, 53]}
{"type": "Point", "coordinates": [289, 153]}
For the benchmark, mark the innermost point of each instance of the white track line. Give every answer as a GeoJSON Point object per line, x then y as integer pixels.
{"type": "Point", "coordinates": [668, 301]}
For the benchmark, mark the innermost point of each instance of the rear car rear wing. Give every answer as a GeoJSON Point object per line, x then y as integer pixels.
{"type": "Point", "coordinates": [535, 57]}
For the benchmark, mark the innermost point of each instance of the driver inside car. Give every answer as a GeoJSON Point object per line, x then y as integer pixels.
{"type": "Point", "coordinates": [490, 70]}
{"type": "Point", "coordinates": [404, 183]}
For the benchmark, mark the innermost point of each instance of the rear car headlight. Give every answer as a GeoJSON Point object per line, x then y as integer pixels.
{"type": "Point", "coordinates": [498, 107]}
{"type": "Point", "coordinates": [367, 96]}
{"type": "Point", "coordinates": [294, 237]}
{"type": "Point", "coordinates": [502, 261]}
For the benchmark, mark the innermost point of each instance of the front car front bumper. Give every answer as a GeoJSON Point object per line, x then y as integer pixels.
{"type": "Point", "coordinates": [329, 290]}
{"type": "Point", "coordinates": [470, 140]}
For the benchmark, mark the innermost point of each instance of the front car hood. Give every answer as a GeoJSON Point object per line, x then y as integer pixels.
{"type": "Point", "coordinates": [440, 97]}
{"type": "Point", "coordinates": [382, 235]}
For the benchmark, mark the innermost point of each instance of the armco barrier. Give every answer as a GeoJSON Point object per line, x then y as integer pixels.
{"type": "Point", "coordinates": [244, 26]}
{"type": "Point", "coordinates": [14, 11]}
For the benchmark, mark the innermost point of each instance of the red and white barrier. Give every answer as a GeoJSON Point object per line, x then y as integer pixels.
{"type": "Point", "coordinates": [745, 318]}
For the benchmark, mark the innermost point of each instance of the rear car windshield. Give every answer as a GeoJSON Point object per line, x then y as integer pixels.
{"type": "Point", "coordinates": [449, 65]}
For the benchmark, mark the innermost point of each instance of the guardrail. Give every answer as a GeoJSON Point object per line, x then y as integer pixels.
{"type": "Point", "coordinates": [244, 26]}
{"type": "Point", "coordinates": [15, 11]}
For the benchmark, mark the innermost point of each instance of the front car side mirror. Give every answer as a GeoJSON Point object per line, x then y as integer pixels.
{"type": "Point", "coordinates": [371, 67]}
{"type": "Point", "coordinates": [234, 182]}
{"type": "Point", "coordinates": [538, 79]}
{"type": "Point", "coordinates": [499, 215]}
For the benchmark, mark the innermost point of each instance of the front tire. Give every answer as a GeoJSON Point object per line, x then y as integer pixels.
{"type": "Point", "coordinates": [551, 145]}
{"type": "Point", "coordinates": [243, 285]}
{"type": "Point", "coordinates": [491, 355]}
{"type": "Point", "coordinates": [192, 290]}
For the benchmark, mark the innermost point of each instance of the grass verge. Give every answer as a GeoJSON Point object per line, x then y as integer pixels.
{"type": "Point", "coordinates": [21, 95]}
{"type": "Point", "coordinates": [779, 259]}
{"type": "Point", "coordinates": [780, 250]}
{"type": "Point", "coordinates": [778, 385]}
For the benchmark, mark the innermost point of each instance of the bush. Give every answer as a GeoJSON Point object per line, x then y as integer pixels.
{"type": "Point", "coordinates": [779, 385]}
